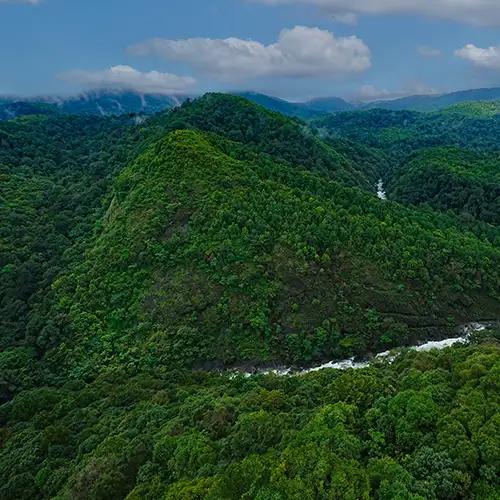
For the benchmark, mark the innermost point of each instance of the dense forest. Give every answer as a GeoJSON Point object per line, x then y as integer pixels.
{"type": "Point", "coordinates": [143, 260]}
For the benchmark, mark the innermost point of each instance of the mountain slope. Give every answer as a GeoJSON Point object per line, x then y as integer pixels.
{"type": "Point", "coordinates": [206, 258]}
{"type": "Point", "coordinates": [10, 110]}
{"type": "Point", "coordinates": [400, 133]}
{"type": "Point", "coordinates": [299, 110]}
{"type": "Point", "coordinates": [451, 179]}
{"type": "Point", "coordinates": [287, 139]}
{"type": "Point", "coordinates": [118, 103]}
{"type": "Point", "coordinates": [328, 105]}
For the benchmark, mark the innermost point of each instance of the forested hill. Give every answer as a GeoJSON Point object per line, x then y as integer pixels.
{"type": "Point", "coordinates": [138, 259]}
{"type": "Point", "coordinates": [448, 159]}
{"type": "Point", "coordinates": [451, 179]}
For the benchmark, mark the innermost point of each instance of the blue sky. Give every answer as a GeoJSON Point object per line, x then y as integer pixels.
{"type": "Point", "coordinates": [355, 48]}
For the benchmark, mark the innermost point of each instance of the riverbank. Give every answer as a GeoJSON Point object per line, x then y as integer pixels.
{"type": "Point", "coordinates": [465, 332]}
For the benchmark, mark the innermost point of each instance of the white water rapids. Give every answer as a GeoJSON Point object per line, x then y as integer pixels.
{"type": "Point", "coordinates": [466, 332]}
{"type": "Point", "coordinates": [380, 190]}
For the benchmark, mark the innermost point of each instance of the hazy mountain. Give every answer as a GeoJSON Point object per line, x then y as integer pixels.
{"type": "Point", "coordinates": [100, 103]}
{"type": "Point", "coordinates": [309, 109]}
{"type": "Point", "coordinates": [107, 103]}
{"type": "Point", "coordinates": [436, 102]}
{"type": "Point", "coordinates": [329, 105]}
{"type": "Point", "coordinates": [9, 109]}
{"type": "Point", "coordinates": [280, 105]}
{"type": "Point", "coordinates": [320, 106]}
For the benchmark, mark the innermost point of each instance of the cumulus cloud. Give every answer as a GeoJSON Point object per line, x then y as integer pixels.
{"type": "Point", "coordinates": [482, 12]}
{"type": "Point", "coordinates": [484, 58]}
{"type": "Point", "coordinates": [129, 79]}
{"type": "Point", "coordinates": [299, 52]}
{"type": "Point", "coordinates": [426, 51]}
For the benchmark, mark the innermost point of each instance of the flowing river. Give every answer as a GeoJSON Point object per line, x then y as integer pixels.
{"type": "Point", "coordinates": [381, 190]}
{"type": "Point", "coordinates": [465, 332]}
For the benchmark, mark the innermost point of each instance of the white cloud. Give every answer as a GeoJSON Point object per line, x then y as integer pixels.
{"type": "Point", "coordinates": [31, 2]}
{"type": "Point", "coordinates": [368, 93]}
{"type": "Point", "coordinates": [484, 58]}
{"type": "Point", "coordinates": [127, 78]}
{"type": "Point", "coordinates": [483, 12]}
{"type": "Point", "coordinates": [426, 51]}
{"type": "Point", "coordinates": [299, 52]}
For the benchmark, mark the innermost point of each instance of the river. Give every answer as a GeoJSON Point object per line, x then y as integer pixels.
{"type": "Point", "coordinates": [381, 190]}
{"type": "Point", "coordinates": [465, 332]}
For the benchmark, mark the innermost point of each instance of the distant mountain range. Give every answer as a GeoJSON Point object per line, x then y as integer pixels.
{"type": "Point", "coordinates": [309, 109]}
{"type": "Point", "coordinates": [107, 103]}
{"type": "Point", "coordinates": [320, 106]}
{"type": "Point", "coordinates": [436, 102]}
{"type": "Point", "coordinates": [90, 103]}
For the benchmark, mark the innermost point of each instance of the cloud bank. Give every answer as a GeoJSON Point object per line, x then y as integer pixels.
{"type": "Point", "coordinates": [483, 58]}
{"type": "Point", "coordinates": [482, 12]}
{"type": "Point", "coordinates": [127, 78]}
{"type": "Point", "coordinates": [299, 52]}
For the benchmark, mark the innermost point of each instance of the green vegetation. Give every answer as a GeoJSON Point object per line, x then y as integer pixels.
{"type": "Point", "coordinates": [449, 159]}
{"type": "Point", "coordinates": [288, 140]}
{"type": "Point", "coordinates": [403, 132]}
{"type": "Point", "coordinates": [54, 175]}
{"type": "Point", "coordinates": [451, 178]}
{"type": "Point", "coordinates": [203, 257]}
{"type": "Point", "coordinates": [425, 428]}
{"type": "Point", "coordinates": [485, 109]}
{"type": "Point", "coordinates": [138, 259]}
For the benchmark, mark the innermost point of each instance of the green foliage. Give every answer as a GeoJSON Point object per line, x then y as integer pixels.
{"type": "Point", "coordinates": [288, 140]}
{"type": "Point", "coordinates": [480, 109]}
{"type": "Point", "coordinates": [427, 427]}
{"type": "Point", "coordinates": [403, 132]}
{"type": "Point", "coordinates": [139, 258]}
{"type": "Point", "coordinates": [204, 257]}
{"type": "Point", "coordinates": [451, 179]}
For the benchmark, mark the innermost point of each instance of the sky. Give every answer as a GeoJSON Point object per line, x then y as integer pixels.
{"type": "Point", "coordinates": [295, 49]}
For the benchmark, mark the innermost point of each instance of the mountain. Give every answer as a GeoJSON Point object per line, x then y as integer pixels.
{"type": "Point", "coordinates": [436, 102]}
{"type": "Point", "coordinates": [299, 110]}
{"type": "Point", "coordinates": [451, 178]}
{"type": "Point", "coordinates": [111, 103]}
{"type": "Point", "coordinates": [328, 105]}
{"type": "Point", "coordinates": [480, 109]}
{"type": "Point", "coordinates": [403, 132]}
{"type": "Point", "coordinates": [9, 110]}
{"type": "Point", "coordinates": [305, 110]}
{"type": "Point", "coordinates": [268, 132]}
{"type": "Point", "coordinates": [320, 106]}
{"type": "Point", "coordinates": [106, 103]}
{"type": "Point", "coordinates": [153, 271]}
{"type": "Point", "coordinates": [238, 226]}
{"type": "Point", "coordinates": [99, 103]}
